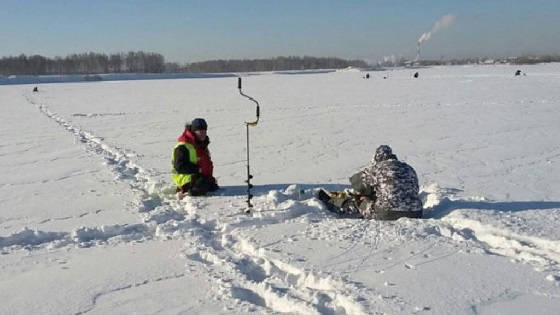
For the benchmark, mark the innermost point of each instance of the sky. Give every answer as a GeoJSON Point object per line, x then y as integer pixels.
{"type": "Point", "coordinates": [189, 31]}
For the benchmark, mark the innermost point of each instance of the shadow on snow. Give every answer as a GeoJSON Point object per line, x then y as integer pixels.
{"type": "Point", "coordinates": [258, 190]}
{"type": "Point", "coordinates": [446, 206]}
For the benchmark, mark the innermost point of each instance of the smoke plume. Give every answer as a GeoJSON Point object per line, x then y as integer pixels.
{"type": "Point", "coordinates": [440, 24]}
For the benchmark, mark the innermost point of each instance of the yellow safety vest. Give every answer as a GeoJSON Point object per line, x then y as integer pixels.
{"type": "Point", "coordinates": [182, 179]}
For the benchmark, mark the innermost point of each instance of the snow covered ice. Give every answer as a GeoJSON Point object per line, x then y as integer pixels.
{"type": "Point", "coordinates": [89, 222]}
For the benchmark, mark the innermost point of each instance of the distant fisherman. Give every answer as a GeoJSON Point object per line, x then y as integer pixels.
{"type": "Point", "coordinates": [192, 167]}
{"type": "Point", "coordinates": [385, 190]}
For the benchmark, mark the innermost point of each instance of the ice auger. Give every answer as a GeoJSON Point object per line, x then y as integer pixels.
{"type": "Point", "coordinates": [247, 124]}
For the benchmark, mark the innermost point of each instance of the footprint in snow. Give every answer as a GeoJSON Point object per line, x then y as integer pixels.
{"type": "Point", "coordinates": [409, 266]}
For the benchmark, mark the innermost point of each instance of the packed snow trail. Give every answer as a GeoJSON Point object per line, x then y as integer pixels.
{"type": "Point", "coordinates": [534, 250]}
{"type": "Point", "coordinates": [495, 236]}
{"type": "Point", "coordinates": [244, 273]}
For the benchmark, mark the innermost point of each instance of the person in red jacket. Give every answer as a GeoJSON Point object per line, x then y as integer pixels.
{"type": "Point", "coordinates": [201, 174]}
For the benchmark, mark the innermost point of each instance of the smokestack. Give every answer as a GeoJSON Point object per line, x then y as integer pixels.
{"type": "Point", "coordinates": [443, 22]}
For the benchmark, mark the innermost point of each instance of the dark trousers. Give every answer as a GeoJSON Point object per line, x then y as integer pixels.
{"type": "Point", "coordinates": [350, 205]}
{"type": "Point", "coordinates": [199, 186]}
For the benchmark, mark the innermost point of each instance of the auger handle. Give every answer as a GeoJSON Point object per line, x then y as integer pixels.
{"type": "Point", "coordinates": [252, 123]}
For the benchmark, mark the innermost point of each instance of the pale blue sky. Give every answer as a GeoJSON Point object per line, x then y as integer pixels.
{"type": "Point", "coordinates": [186, 31]}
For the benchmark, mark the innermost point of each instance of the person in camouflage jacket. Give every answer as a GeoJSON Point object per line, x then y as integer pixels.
{"type": "Point", "coordinates": [389, 188]}
{"type": "Point", "coordinates": [385, 190]}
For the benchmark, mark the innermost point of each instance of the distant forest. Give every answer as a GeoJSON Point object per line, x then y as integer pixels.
{"type": "Point", "coordinates": [271, 64]}
{"type": "Point", "coordinates": [87, 63]}
{"type": "Point", "coordinates": [146, 62]}
{"type": "Point", "coordinates": [521, 60]}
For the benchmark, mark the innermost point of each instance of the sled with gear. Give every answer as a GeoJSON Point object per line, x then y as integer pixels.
{"type": "Point", "coordinates": [342, 203]}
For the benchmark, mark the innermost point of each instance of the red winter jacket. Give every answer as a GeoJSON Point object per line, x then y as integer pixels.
{"type": "Point", "coordinates": [204, 164]}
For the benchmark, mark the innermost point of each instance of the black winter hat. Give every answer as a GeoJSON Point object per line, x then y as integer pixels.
{"type": "Point", "coordinates": [198, 124]}
{"type": "Point", "coordinates": [383, 153]}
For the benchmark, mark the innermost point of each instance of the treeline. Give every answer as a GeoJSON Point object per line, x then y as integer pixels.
{"type": "Point", "coordinates": [146, 62]}
{"type": "Point", "coordinates": [86, 63]}
{"type": "Point", "coordinates": [270, 64]}
{"type": "Point", "coordinates": [526, 60]}
{"type": "Point", "coordinates": [521, 60]}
